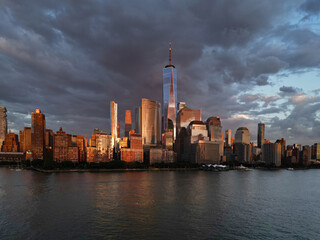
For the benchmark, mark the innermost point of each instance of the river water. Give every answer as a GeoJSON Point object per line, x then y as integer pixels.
{"type": "Point", "coordinates": [253, 204]}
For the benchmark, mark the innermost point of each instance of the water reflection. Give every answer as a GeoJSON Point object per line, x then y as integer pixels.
{"type": "Point", "coordinates": [159, 205]}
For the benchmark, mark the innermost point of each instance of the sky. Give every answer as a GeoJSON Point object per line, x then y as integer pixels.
{"type": "Point", "coordinates": [246, 61]}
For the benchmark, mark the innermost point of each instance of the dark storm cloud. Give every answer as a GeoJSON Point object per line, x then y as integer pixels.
{"type": "Point", "coordinates": [311, 6]}
{"type": "Point", "coordinates": [289, 91]}
{"type": "Point", "coordinates": [71, 58]}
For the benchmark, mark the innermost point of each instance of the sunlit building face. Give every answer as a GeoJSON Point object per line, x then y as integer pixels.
{"type": "Point", "coordinates": [169, 95]}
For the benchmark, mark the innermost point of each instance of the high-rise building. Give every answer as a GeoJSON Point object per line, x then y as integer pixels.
{"type": "Point", "coordinates": [127, 123]}
{"type": "Point", "coordinates": [242, 135]}
{"type": "Point", "coordinates": [150, 121]}
{"type": "Point", "coordinates": [137, 119]}
{"type": "Point", "coordinates": [197, 130]}
{"type": "Point", "coordinates": [114, 122]}
{"type": "Point", "coordinates": [316, 151]}
{"type": "Point", "coordinates": [214, 129]}
{"type": "Point", "coordinates": [81, 144]}
{"type": "Point", "coordinates": [38, 126]}
{"type": "Point", "coordinates": [3, 125]}
{"type": "Point", "coordinates": [104, 147]}
{"type": "Point", "coordinates": [271, 154]}
{"type": "Point", "coordinates": [241, 146]}
{"type": "Point", "coordinates": [242, 151]}
{"type": "Point", "coordinates": [260, 134]}
{"type": "Point", "coordinates": [228, 138]}
{"type": "Point", "coordinates": [169, 95]}
{"type": "Point", "coordinates": [49, 138]}
{"type": "Point", "coordinates": [25, 139]}
{"type": "Point", "coordinates": [185, 116]}
{"type": "Point", "coordinates": [215, 132]}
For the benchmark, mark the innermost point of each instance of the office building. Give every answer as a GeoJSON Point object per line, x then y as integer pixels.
{"type": "Point", "coordinates": [260, 134]}
{"type": "Point", "coordinates": [137, 120]}
{"type": "Point", "coordinates": [81, 144]}
{"type": "Point", "coordinates": [215, 132]}
{"type": "Point", "coordinates": [127, 123]}
{"type": "Point", "coordinates": [104, 147]}
{"type": "Point", "coordinates": [114, 122]}
{"type": "Point", "coordinates": [38, 126]}
{"type": "Point", "coordinates": [316, 151]}
{"type": "Point", "coordinates": [271, 154]}
{"type": "Point", "coordinates": [228, 138]}
{"type": "Point", "coordinates": [242, 135]}
{"type": "Point", "coordinates": [25, 139]}
{"type": "Point", "coordinates": [185, 116]}
{"type": "Point", "coordinates": [242, 152]}
{"type": "Point", "coordinates": [150, 121]}
{"type": "Point", "coordinates": [49, 138]}
{"type": "Point", "coordinates": [205, 152]}
{"type": "Point", "coordinates": [197, 130]}
{"type": "Point", "coordinates": [169, 95]}
{"type": "Point", "coordinates": [3, 125]}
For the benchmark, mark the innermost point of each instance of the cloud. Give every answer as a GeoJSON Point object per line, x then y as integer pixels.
{"type": "Point", "coordinates": [72, 61]}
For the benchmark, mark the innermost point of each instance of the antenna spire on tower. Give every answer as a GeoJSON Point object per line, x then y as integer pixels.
{"type": "Point", "coordinates": [170, 53]}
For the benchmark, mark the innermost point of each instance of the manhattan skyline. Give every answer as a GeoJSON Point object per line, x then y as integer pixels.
{"type": "Point", "coordinates": [247, 63]}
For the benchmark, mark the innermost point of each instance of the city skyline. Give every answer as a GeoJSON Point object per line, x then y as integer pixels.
{"type": "Point", "coordinates": [243, 70]}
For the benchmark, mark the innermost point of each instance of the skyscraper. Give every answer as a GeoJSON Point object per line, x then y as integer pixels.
{"type": "Point", "coordinates": [271, 154]}
{"type": "Point", "coordinates": [38, 126]}
{"type": "Point", "coordinates": [114, 121]}
{"type": "Point", "coordinates": [260, 134]}
{"type": "Point", "coordinates": [228, 137]}
{"type": "Point", "coordinates": [127, 123]}
{"type": "Point", "coordinates": [242, 135]}
{"type": "Point", "coordinates": [137, 119]}
{"type": "Point", "coordinates": [186, 116]}
{"type": "Point", "coordinates": [150, 121]}
{"type": "Point", "coordinates": [25, 139]}
{"type": "Point", "coordinates": [215, 132]}
{"type": "Point", "coordinates": [169, 95]}
{"type": "Point", "coordinates": [241, 146]}
{"type": "Point", "coordinates": [3, 125]}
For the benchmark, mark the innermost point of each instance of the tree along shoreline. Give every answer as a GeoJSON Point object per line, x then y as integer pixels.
{"type": "Point", "coordinates": [121, 166]}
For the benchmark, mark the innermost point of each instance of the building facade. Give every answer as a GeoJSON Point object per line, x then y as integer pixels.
{"type": "Point", "coordinates": [215, 132]}
{"type": "Point", "coordinates": [228, 138]}
{"type": "Point", "coordinates": [25, 139]}
{"type": "Point", "coordinates": [150, 121]}
{"type": "Point", "coordinates": [38, 126]}
{"type": "Point", "coordinates": [3, 125]}
{"type": "Point", "coordinates": [127, 123]}
{"type": "Point", "coordinates": [114, 122]}
{"type": "Point", "coordinates": [271, 154]}
{"type": "Point", "coordinates": [11, 143]}
{"type": "Point", "coordinates": [137, 119]}
{"type": "Point", "coordinates": [135, 150]}
{"type": "Point", "coordinates": [185, 116]}
{"type": "Point", "coordinates": [242, 135]}
{"type": "Point", "coordinates": [169, 95]}
{"type": "Point", "coordinates": [260, 134]}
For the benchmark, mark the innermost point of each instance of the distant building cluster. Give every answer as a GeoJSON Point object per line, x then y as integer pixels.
{"type": "Point", "coordinates": [159, 132]}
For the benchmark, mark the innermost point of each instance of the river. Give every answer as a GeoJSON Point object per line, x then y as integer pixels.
{"type": "Point", "coordinates": [255, 204]}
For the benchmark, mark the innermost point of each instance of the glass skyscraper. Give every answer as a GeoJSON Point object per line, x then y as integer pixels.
{"type": "Point", "coordinates": [169, 96]}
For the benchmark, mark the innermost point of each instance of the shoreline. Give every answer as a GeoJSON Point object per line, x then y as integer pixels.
{"type": "Point", "coordinates": [112, 170]}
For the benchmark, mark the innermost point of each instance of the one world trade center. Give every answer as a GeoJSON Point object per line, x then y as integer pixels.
{"type": "Point", "coordinates": [169, 97]}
